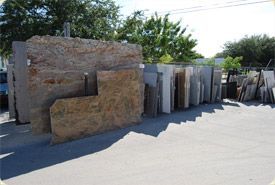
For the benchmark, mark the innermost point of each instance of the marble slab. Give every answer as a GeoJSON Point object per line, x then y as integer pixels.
{"type": "Point", "coordinates": [206, 73]}
{"type": "Point", "coordinates": [119, 104]}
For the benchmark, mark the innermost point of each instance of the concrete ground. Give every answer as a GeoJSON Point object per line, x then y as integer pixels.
{"type": "Point", "coordinates": [226, 143]}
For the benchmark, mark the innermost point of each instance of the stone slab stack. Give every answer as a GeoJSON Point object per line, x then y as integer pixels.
{"type": "Point", "coordinates": [166, 76]}
{"type": "Point", "coordinates": [57, 67]}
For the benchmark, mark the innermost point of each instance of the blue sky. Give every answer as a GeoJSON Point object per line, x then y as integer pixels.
{"type": "Point", "coordinates": [212, 28]}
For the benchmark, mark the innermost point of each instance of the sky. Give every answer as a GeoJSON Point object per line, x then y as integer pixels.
{"type": "Point", "coordinates": [212, 28]}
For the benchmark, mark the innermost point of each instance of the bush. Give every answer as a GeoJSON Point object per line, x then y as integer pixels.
{"type": "Point", "coordinates": [231, 63]}
{"type": "Point", "coordinates": [166, 58]}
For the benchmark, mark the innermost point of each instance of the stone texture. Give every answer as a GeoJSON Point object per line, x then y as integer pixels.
{"type": "Point", "coordinates": [119, 104]}
{"type": "Point", "coordinates": [167, 84]}
{"type": "Point", "coordinates": [216, 85]}
{"type": "Point", "coordinates": [22, 99]}
{"type": "Point", "coordinates": [152, 95]}
{"type": "Point", "coordinates": [183, 86]}
{"type": "Point", "coordinates": [10, 75]}
{"type": "Point", "coordinates": [206, 73]}
{"type": "Point", "coordinates": [57, 68]}
{"type": "Point", "coordinates": [195, 86]}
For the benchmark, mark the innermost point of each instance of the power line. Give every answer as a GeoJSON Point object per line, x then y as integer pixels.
{"type": "Point", "coordinates": [212, 8]}
{"type": "Point", "coordinates": [195, 7]}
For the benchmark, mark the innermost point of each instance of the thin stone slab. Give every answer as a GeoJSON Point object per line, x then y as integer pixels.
{"type": "Point", "coordinates": [195, 85]}
{"type": "Point", "coordinates": [118, 104]}
{"type": "Point", "coordinates": [10, 76]}
{"type": "Point", "coordinates": [216, 85]}
{"type": "Point", "coordinates": [269, 81]}
{"type": "Point", "coordinates": [22, 98]}
{"type": "Point", "coordinates": [202, 92]}
{"type": "Point", "coordinates": [206, 73]}
{"type": "Point", "coordinates": [273, 92]}
{"type": "Point", "coordinates": [183, 86]}
{"type": "Point", "coordinates": [151, 93]}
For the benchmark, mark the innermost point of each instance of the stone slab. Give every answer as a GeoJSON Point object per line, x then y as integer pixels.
{"type": "Point", "coordinates": [216, 85]}
{"type": "Point", "coordinates": [269, 81]}
{"type": "Point", "coordinates": [22, 98]}
{"type": "Point", "coordinates": [10, 76]}
{"type": "Point", "coordinates": [183, 86]}
{"type": "Point", "coordinates": [118, 104]}
{"type": "Point", "coordinates": [166, 84]}
{"type": "Point", "coordinates": [152, 93]}
{"type": "Point", "coordinates": [57, 67]}
{"type": "Point", "coordinates": [206, 73]}
{"type": "Point", "coordinates": [195, 85]}
{"type": "Point", "coordinates": [150, 79]}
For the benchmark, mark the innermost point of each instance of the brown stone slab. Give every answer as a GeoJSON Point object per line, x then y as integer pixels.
{"type": "Point", "coordinates": [119, 104]}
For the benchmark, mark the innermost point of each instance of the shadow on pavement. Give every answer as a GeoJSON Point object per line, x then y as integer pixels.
{"type": "Point", "coordinates": [23, 153]}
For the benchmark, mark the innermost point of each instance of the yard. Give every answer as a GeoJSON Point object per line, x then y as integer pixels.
{"type": "Point", "coordinates": [224, 143]}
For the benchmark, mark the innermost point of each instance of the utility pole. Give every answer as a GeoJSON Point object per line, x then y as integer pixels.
{"type": "Point", "coordinates": [66, 27]}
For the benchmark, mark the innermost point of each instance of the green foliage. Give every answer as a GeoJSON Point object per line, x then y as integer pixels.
{"type": "Point", "coordinates": [158, 36]}
{"type": "Point", "coordinates": [166, 58]}
{"type": "Point", "coordinates": [210, 62]}
{"type": "Point", "coordinates": [21, 19]}
{"type": "Point", "coordinates": [231, 63]}
{"type": "Point", "coordinates": [207, 62]}
{"type": "Point", "coordinates": [162, 40]}
{"type": "Point", "coordinates": [256, 50]}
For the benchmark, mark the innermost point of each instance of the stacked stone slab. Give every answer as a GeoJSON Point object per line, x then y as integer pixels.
{"type": "Point", "coordinates": [57, 67]}
{"type": "Point", "coordinates": [166, 73]}
{"type": "Point", "coordinates": [118, 104]}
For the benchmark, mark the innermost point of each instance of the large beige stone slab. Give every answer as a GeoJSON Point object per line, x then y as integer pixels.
{"type": "Point", "coordinates": [119, 104]}
{"type": "Point", "coordinates": [57, 67]}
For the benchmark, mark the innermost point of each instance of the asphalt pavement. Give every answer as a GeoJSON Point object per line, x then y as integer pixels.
{"type": "Point", "coordinates": [226, 143]}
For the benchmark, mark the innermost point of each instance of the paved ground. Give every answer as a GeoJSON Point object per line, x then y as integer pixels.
{"type": "Point", "coordinates": [217, 144]}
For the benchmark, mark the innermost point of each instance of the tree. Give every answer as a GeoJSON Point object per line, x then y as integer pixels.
{"type": "Point", "coordinates": [158, 36]}
{"type": "Point", "coordinates": [231, 63]}
{"type": "Point", "coordinates": [21, 19]}
{"type": "Point", "coordinates": [256, 50]}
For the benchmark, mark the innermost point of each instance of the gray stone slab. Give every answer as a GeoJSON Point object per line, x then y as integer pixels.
{"type": "Point", "coordinates": [217, 80]}
{"type": "Point", "coordinates": [195, 86]}
{"type": "Point", "coordinates": [166, 84]}
{"type": "Point", "coordinates": [150, 78]}
{"type": "Point", "coordinates": [273, 93]}
{"type": "Point", "coordinates": [10, 76]}
{"type": "Point", "coordinates": [206, 73]}
{"type": "Point", "coordinates": [22, 99]}
{"type": "Point", "coordinates": [201, 93]}
{"type": "Point", "coordinates": [269, 81]}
